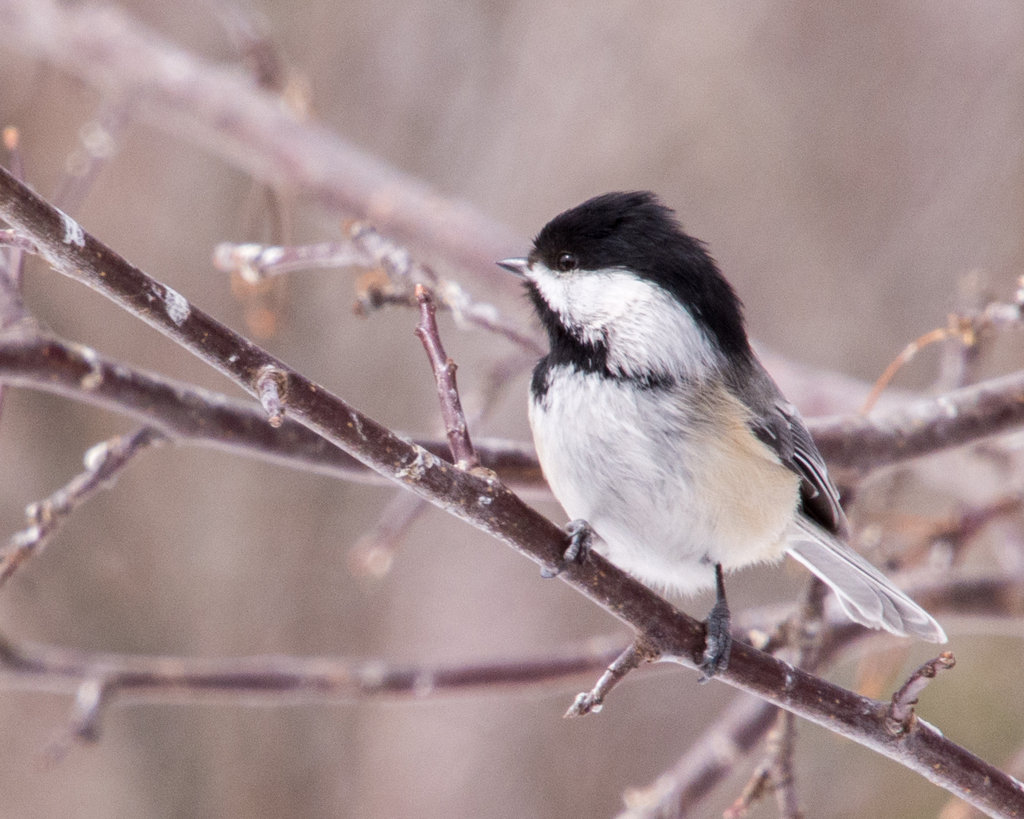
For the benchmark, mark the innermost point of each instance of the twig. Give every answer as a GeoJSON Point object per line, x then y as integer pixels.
{"type": "Point", "coordinates": [736, 732]}
{"type": "Point", "coordinates": [901, 711]}
{"type": "Point", "coordinates": [103, 463]}
{"type": "Point", "coordinates": [803, 634]}
{"type": "Point", "coordinates": [486, 504]}
{"type": "Point", "coordinates": [373, 554]}
{"type": "Point", "coordinates": [964, 416]}
{"type": "Point", "coordinates": [404, 273]}
{"type": "Point", "coordinates": [15, 241]}
{"type": "Point", "coordinates": [967, 329]}
{"type": "Point", "coordinates": [255, 262]}
{"type": "Point", "coordinates": [447, 392]}
{"type": "Point", "coordinates": [397, 275]}
{"type": "Point", "coordinates": [773, 775]}
{"type": "Point", "coordinates": [591, 702]}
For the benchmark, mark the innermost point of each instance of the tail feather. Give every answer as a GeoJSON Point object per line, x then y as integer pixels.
{"type": "Point", "coordinates": [867, 596]}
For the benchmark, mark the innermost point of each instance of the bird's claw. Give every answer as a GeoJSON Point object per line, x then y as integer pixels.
{"type": "Point", "coordinates": [581, 538]}
{"type": "Point", "coordinates": [717, 643]}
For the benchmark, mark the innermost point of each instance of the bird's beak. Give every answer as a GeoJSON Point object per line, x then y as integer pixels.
{"type": "Point", "coordinates": [517, 266]}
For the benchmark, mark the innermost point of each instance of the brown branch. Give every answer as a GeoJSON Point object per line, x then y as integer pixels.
{"type": "Point", "coordinates": [15, 241]}
{"type": "Point", "coordinates": [444, 369]}
{"type": "Point", "coordinates": [746, 721]}
{"type": "Point", "coordinates": [393, 279]}
{"type": "Point", "coordinates": [97, 144]}
{"type": "Point", "coordinates": [284, 679]}
{"type": "Point", "coordinates": [923, 427]}
{"type": "Point", "coordinates": [591, 702]}
{"type": "Point", "coordinates": [271, 389]}
{"type": "Point", "coordinates": [486, 504]}
{"type": "Point", "coordinates": [103, 463]}
{"type": "Point", "coordinates": [190, 415]}
{"type": "Point", "coordinates": [773, 775]}
{"type": "Point", "coordinates": [901, 711]}
{"type": "Point", "coordinates": [736, 732]}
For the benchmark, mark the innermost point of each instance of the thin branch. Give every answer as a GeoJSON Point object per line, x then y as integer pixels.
{"type": "Point", "coordinates": [103, 463]}
{"type": "Point", "coordinates": [255, 263]}
{"type": "Point", "coordinates": [271, 386]}
{"type": "Point", "coordinates": [967, 328]}
{"type": "Point", "coordinates": [393, 277]}
{"type": "Point", "coordinates": [15, 241]}
{"type": "Point", "coordinates": [444, 368]}
{"type": "Point", "coordinates": [901, 711]}
{"type": "Point", "coordinates": [404, 273]}
{"type": "Point", "coordinates": [150, 679]}
{"type": "Point", "coordinates": [591, 702]}
{"type": "Point", "coordinates": [736, 732]}
{"type": "Point", "coordinates": [374, 553]}
{"type": "Point", "coordinates": [485, 503]}
{"type": "Point", "coordinates": [774, 774]}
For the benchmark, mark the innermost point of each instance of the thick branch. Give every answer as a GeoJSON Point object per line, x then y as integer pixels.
{"type": "Point", "coordinates": [191, 415]}
{"type": "Point", "coordinates": [923, 427]}
{"type": "Point", "coordinates": [486, 504]}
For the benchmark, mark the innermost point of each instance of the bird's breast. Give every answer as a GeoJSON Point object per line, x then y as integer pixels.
{"type": "Point", "coordinates": [670, 476]}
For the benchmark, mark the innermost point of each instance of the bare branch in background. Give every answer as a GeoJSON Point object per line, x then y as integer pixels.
{"type": "Point", "coordinates": [101, 680]}
{"type": "Point", "coordinates": [968, 329]}
{"type": "Point", "coordinates": [97, 144]}
{"type": "Point", "coordinates": [191, 415]}
{"type": "Point", "coordinates": [103, 463]}
{"type": "Point", "coordinates": [250, 129]}
{"type": "Point", "coordinates": [367, 248]}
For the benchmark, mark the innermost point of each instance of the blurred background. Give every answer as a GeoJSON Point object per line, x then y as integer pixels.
{"type": "Point", "coordinates": [849, 165]}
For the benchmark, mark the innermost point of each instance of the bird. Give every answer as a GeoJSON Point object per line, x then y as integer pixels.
{"type": "Point", "coordinates": [669, 446]}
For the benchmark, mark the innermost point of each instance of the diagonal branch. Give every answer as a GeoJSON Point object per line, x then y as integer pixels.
{"type": "Point", "coordinates": [191, 415]}
{"type": "Point", "coordinates": [486, 504]}
{"type": "Point", "coordinates": [103, 462]}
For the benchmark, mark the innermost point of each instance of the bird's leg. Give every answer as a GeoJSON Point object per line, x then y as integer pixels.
{"type": "Point", "coordinates": [581, 536]}
{"type": "Point", "coordinates": [718, 641]}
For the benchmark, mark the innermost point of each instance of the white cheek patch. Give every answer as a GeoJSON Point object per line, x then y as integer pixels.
{"type": "Point", "coordinates": [646, 329]}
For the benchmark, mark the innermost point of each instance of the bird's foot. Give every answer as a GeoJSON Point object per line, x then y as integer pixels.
{"type": "Point", "coordinates": [581, 537]}
{"type": "Point", "coordinates": [718, 639]}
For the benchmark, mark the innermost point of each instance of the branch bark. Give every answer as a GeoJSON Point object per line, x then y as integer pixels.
{"type": "Point", "coordinates": [486, 504]}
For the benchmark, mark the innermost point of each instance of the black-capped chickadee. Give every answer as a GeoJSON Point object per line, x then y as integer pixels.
{"type": "Point", "coordinates": [661, 434]}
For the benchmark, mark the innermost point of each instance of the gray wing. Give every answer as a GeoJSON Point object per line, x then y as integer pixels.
{"type": "Point", "coordinates": [866, 595]}
{"type": "Point", "coordinates": [777, 423]}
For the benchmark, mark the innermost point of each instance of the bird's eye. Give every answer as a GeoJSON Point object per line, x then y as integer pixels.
{"type": "Point", "coordinates": [567, 262]}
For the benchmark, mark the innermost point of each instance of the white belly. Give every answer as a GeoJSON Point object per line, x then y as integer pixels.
{"type": "Point", "coordinates": [666, 506]}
